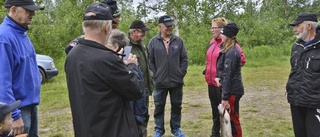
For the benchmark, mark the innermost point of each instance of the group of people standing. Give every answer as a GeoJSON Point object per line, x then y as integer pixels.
{"type": "Point", "coordinates": [224, 59]}
{"type": "Point", "coordinates": [109, 91]}
{"type": "Point", "coordinates": [105, 86]}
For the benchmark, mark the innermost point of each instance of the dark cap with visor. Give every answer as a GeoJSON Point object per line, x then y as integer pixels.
{"type": "Point", "coordinates": [304, 17]}
{"type": "Point", "coordinates": [166, 20]}
{"type": "Point", "coordinates": [28, 4]}
{"type": "Point", "coordinates": [100, 12]}
{"type": "Point", "coordinates": [7, 108]}
{"type": "Point", "coordinates": [138, 24]}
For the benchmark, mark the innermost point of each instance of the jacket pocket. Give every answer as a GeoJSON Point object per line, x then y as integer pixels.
{"type": "Point", "coordinates": [313, 63]}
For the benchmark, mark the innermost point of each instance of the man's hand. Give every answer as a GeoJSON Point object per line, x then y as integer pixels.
{"type": "Point", "coordinates": [18, 126]}
{"type": "Point", "coordinates": [120, 53]}
{"type": "Point", "coordinates": [225, 104]}
{"type": "Point", "coordinates": [131, 59]}
{"type": "Point", "coordinates": [217, 81]}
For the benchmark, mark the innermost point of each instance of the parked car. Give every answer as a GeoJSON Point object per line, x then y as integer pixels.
{"type": "Point", "coordinates": [47, 68]}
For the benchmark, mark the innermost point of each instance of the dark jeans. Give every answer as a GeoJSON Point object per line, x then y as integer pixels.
{"type": "Point", "coordinates": [160, 95]}
{"type": "Point", "coordinates": [29, 116]}
{"type": "Point", "coordinates": [306, 121]}
{"type": "Point", "coordinates": [215, 100]}
{"type": "Point", "coordinates": [140, 111]}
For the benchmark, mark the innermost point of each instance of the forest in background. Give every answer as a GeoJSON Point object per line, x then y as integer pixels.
{"type": "Point", "coordinates": [262, 23]}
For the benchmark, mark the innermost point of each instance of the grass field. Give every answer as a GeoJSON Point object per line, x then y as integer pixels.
{"type": "Point", "coordinates": [264, 111]}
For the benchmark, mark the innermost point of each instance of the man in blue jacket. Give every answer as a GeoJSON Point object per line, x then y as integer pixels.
{"type": "Point", "coordinates": [169, 62]}
{"type": "Point", "coordinates": [19, 79]}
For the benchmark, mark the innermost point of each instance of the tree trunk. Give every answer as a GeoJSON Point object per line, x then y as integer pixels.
{"type": "Point", "coordinates": [176, 21]}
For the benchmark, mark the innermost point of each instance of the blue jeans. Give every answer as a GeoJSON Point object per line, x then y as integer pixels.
{"type": "Point", "coordinates": [160, 95]}
{"type": "Point", "coordinates": [29, 116]}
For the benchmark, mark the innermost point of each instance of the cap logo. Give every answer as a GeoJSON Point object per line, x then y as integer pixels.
{"type": "Point", "coordinates": [167, 19]}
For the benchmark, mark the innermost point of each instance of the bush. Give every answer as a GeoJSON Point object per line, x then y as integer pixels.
{"type": "Point", "coordinates": [266, 55]}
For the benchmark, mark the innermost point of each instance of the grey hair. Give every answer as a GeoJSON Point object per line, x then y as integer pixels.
{"type": "Point", "coordinates": [161, 24]}
{"type": "Point", "coordinates": [131, 30]}
{"type": "Point", "coordinates": [314, 24]}
{"type": "Point", "coordinates": [118, 38]}
{"type": "Point", "coordinates": [95, 25]}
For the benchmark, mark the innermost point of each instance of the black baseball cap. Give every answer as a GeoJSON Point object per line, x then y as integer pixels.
{"type": "Point", "coordinates": [304, 17]}
{"type": "Point", "coordinates": [7, 108]}
{"type": "Point", "coordinates": [166, 20]}
{"type": "Point", "coordinates": [101, 11]}
{"type": "Point", "coordinates": [138, 24]}
{"type": "Point", "coordinates": [28, 4]}
{"type": "Point", "coordinates": [114, 8]}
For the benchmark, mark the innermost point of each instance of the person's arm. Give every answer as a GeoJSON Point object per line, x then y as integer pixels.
{"type": "Point", "coordinates": [151, 57]}
{"type": "Point", "coordinates": [72, 44]}
{"type": "Point", "coordinates": [184, 59]}
{"type": "Point", "coordinates": [121, 78]}
{"type": "Point", "coordinates": [220, 66]}
{"type": "Point", "coordinates": [226, 74]}
{"type": "Point", "coordinates": [6, 84]}
{"type": "Point", "coordinates": [220, 61]}
{"type": "Point", "coordinates": [243, 57]}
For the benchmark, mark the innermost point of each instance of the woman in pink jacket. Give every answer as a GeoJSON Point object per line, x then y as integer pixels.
{"type": "Point", "coordinates": [212, 55]}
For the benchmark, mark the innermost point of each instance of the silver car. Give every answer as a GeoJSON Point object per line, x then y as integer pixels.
{"type": "Point", "coordinates": [47, 68]}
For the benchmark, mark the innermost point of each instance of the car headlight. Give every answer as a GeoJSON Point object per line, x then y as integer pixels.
{"type": "Point", "coordinates": [52, 65]}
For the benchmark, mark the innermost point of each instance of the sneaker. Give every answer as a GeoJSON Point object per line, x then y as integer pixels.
{"type": "Point", "coordinates": [178, 133]}
{"type": "Point", "coordinates": [157, 133]}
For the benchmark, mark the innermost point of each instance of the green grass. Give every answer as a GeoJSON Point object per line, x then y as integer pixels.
{"type": "Point", "coordinates": [263, 109]}
{"type": "Point", "coordinates": [54, 109]}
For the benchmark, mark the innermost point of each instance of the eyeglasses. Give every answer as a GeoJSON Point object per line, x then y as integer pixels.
{"type": "Point", "coordinates": [215, 28]}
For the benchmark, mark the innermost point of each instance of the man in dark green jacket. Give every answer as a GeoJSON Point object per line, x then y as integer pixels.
{"type": "Point", "coordinates": [136, 34]}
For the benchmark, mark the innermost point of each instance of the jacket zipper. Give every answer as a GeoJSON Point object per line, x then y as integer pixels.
{"type": "Point", "coordinates": [308, 62]}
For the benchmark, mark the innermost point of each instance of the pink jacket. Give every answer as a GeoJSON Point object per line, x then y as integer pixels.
{"type": "Point", "coordinates": [212, 58]}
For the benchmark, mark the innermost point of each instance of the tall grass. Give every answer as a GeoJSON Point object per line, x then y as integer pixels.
{"type": "Point", "coordinates": [267, 55]}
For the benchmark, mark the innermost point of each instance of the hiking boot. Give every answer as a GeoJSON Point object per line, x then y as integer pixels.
{"type": "Point", "coordinates": [178, 133]}
{"type": "Point", "coordinates": [157, 133]}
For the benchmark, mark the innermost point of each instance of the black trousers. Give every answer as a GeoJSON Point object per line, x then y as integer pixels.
{"type": "Point", "coordinates": [215, 100]}
{"type": "Point", "coordinates": [306, 121]}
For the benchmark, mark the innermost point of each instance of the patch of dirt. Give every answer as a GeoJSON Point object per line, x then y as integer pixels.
{"type": "Point", "coordinates": [258, 103]}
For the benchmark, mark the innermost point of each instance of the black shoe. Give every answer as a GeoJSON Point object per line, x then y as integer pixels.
{"type": "Point", "coordinates": [215, 135]}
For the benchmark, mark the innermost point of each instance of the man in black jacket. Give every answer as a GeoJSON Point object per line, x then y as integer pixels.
{"type": "Point", "coordinates": [100, 85]}
{"type": "Point", "coordinates": [303, 86]}
{"type": "Point", "coordinates": [115, 23]}
{"type": "Point", "coordinates": [169, 62]}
